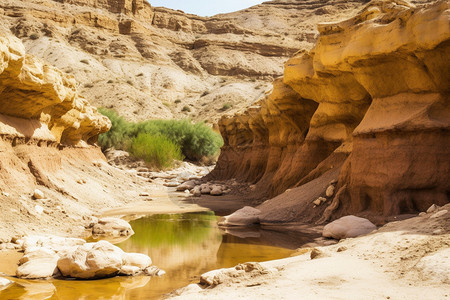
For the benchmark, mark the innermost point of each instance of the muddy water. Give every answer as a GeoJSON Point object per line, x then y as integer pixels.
{"type": "Point", "coordinates": [184, 245]}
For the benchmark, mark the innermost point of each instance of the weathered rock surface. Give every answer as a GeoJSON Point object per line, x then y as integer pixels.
{"type": "Point", "coordinates": [112, 227]}
{"type": "Point", "coordinates": [348, 227]}
{"type": "Point", "coordinates": [5, 283]}
{"type": "Point", "coordinates": [46, 257]}
{"type": "Point", "coordinates": [242, 217]}
{"type": "Point", "coordinates": [369, 104]}
{"type": "Point", "coordinates": [38, 263]}
{"type": "Point", "coordinates": [40, 102]}
{"type": "Point", "coordinates": [140, 59]}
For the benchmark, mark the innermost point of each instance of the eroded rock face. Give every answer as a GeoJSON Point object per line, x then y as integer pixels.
{"type": "Point", "coordinates": [38, 101]}
{"type": "Point", "coordinates": [140, 59]}
{"type": "Point", "coordinates": [370, 101]}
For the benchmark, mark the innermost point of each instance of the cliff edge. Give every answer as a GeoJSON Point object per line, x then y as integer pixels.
{"type": "Point", "coordinates": [368, 106]}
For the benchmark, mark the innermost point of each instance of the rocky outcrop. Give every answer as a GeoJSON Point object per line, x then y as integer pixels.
{"type": "Point", "coordinates": [38, 101]}
{"type": "Point", "coordinates": [50, 256]}
{"type": "Point", "coordinates": [151, 62]}
{"type": "Point", "coordinates": [368, 104]}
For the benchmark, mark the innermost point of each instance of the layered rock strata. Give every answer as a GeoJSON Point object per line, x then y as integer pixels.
{"type": "Point", "coordinates": [152, 62]}
{"type": "Point", "coordinates": [369, 102]}
{"type": "Point", "coordinates": [38, 101]}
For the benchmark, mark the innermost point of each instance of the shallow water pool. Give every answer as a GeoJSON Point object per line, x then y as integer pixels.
{"type": "Point", "coordinates": [183, 245]}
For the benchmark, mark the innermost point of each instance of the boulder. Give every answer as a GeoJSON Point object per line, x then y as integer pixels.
{"type": "Point", "coordinates": [205, 188]}
{"type": "Point", "coordinates": [188, 185]}
{"type": "Point", "coordinates": [114, 227]}
{"type": "Point", "coordinates": [348, 227]}
{"type": "Point", "coordinates": [38, 194]}
{"type": "Point", "coordinates": [38, 263]}
{"type": "Point", "coordinates": [139, 260]}
{"type": "Point", "coordinates": [196, 192]}
{"type": "Point", "coordinates": [242, 217]}
{"type": "Point", "coordinates": [216, 190]}
{"type": "Point", "coordinates": [91, 261]}
{"type": "Point", "coordinates": [330, 191]}
{"type": "Point", "coordinates": [432, 208]}
{"type": "Point", "coordinates": [130, 270]}
{"type": "Point", "coordinates": [185, 176]}
{"type": "Point", "coordinates": [5, 283]}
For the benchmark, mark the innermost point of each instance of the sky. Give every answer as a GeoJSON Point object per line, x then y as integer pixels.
{"type": "Point", "coordinates": [205, 7]}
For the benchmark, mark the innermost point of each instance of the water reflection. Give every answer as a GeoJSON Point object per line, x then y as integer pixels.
{"type": "Point", "coordinates": [184, 245]}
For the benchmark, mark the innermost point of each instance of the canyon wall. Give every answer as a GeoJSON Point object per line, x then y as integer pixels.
{"type": "Point", "coordinates": [152, 62]}
{"type": "Point", "coordinates": [47, 136]}
{"type": "Point", "coordinates": [369, 104]}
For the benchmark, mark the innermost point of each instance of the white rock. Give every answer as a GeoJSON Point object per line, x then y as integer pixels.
{"type": "Point", "coordinates": [91, 260]}
{"type": "Point", "coordinates": [139, 260]}
{"type": "Point", "coordinates": [40, 263]}
{"type": "Point", "coordinates": [38, 194]}
{"type": "Point", "coordinates": [439, 214]}
{"type": "Point", "coordinates": [435, 267]}
{"type": "Point", "coordinates": [130, 270]}
{"type": "Point", "coordinates": [242, 217]}
{"type": "Point", "coordinates": [188, 185]}
{"type": "Point", "coordinates": [172, 184]}
{"type": "Point", "coordinates": [216, 190]}
{"type": "Point", "coordinates": [185, 176]}
{"type": "Point", "coordinates": [39, 209]}
{"type": "Point", "coordinates": [114, 227]}
{"type": "Point", "coordinates": [432, 208]}
{"type": "Point", "coordinates": [54, 243]}
{"type": "Point", "coordinates": [317, 202]}
{"type": "Point", "coordinates": [4, 283]}
{"type": "Point", "coordinates": [422, 214]}
{"type": "Point", "coordinates": [6, 195]}
{"type": "Point", "coordinates": [330, 191]}
{"type": "Point", "coordinates": [348, 227]}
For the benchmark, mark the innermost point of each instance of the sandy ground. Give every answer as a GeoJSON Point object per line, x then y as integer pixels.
{"type": "Point", "coordinates": [402, 260]}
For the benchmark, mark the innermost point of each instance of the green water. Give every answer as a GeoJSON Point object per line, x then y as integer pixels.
{"type": "Point", "coordinates": [184, 245]}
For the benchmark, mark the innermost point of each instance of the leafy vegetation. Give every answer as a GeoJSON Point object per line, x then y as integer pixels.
{"type": "Point", "coordinates": [196, 141]}
{"type": "Point", "coordinates": [158, 150]}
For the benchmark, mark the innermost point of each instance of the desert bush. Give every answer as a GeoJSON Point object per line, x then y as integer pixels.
{"type": "Point", "coordinates": [157, 150]}
{"type": "Point", "coordinates": [120, 134]}
{"type": "Point", "coordinates": [226, 106]}
{"type": "Point", "coordinates": [186, 108]}
{"type": "Point", "coordinates": [196, 141]}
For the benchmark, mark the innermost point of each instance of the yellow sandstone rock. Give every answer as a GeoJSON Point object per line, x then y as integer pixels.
{"type": "Point", "coordinates": [40, 102]}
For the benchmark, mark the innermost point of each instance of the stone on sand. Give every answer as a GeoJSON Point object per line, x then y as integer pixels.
{"type": "Point", "coordinates": [348, 227]}
{"type": "Point", "coordinates": [38, 194]}
{"type": "Point", "coordinates": [243, 217]}
{"type": "Point", "coordinates": [216, 190]}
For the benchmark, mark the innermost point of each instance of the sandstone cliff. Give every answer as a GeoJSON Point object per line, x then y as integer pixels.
{"type": "Point", "coordinates": [152, 62]}
{"type": "Point", "coordinates": [46, 134]}
{"type": "Point", "coordinates": [368, 105]}
{"type": "Point", "coordinates": [38, 101]}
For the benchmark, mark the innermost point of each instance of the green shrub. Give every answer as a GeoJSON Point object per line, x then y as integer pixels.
{"type": "Point", "coordinates": [34, 36]}
{"type": "Point", "coordinates": [186, 108]}
{"type": "Point", "coordinates": [120, 134]}
{"type": "Point", "coordinates": [226, 106]}
{"type": "Point", "coordinates": [177, 101]}
{"type": "Point", "coordinates": [196, 141]}
{"type": "Point", "coordinates": [157, 150]}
